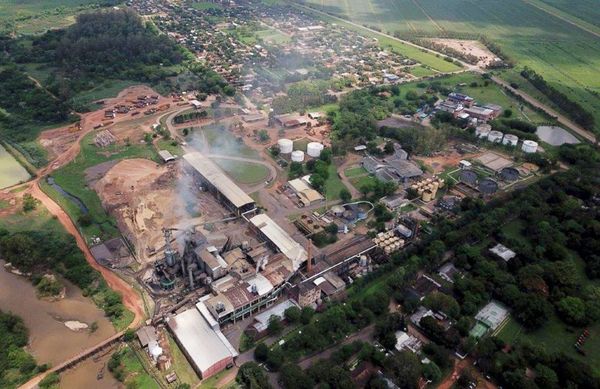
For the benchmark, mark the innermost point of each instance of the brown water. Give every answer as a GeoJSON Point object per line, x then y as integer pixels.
{"type": "Point", "coordinates": [85, 375]}
{"type": "Point", "coordinates": [50, 341]}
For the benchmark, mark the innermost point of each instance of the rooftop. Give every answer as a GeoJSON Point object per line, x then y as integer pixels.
{"type": "Point", "coordinates": [212, 173]}
{"type": "Point", "coordinates": [204, 346]}
{"type": "Point", "coordinates": [281, 239]}
{"type": "Point", "coordinates": [503, 252]}
{"type": "Point", "coordinates": [492, 315]}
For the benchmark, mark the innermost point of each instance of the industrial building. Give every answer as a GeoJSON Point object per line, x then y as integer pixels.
{"type": "Point", "coordinates": [200, 339]}
{"type": "Point", "coordinates": [166, 156]}
{"type": "Point", "coordinates": [280, 240]}
{"type": "Point", "coordinates": [306, 195]}
{"type": "Point", "coordinates": [213, 178]}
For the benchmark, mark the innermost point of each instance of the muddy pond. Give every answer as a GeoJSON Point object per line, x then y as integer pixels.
{"type": "Point", "coordinates": [11, 171]}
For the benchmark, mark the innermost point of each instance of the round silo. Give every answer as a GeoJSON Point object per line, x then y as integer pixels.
{"type": "Point", "coordinates": [297, 156]}
{"type": "Point", "coordinates": [495, 136]}
{"type": "Point", "coordinates": [510, 139]}
{"type": "Point", "coordinates": [314, 149]}
{"type": "Point", "coordinates": [529, 146]}
{"type": "Point", "coordinates": [285, 146]}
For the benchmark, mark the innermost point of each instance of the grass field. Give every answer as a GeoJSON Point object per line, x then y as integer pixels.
{"type": "Point", "coordinates": [421, 71]}
{"type": "Point", "coordinates": [355, 172]}
{"type": "Point", "coordinates": [556, 337]}
{"type": "Point", "coordinates": [565, 55]}
{"type": "Point", "coordinates": [581, 10]}
{"type": "Point", "coordinates": [243, 172]}
{"type": "Point", "coordinates": [181, 366]}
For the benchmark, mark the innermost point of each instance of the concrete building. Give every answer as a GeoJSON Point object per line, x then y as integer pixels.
{"type": "Point", "coordinates": [481, 113]}
{"type": "Point", "coordinates": [261, 321]}
{"type": "Point", "coordinates": [307, 293]}
{"type": "Point", "coordinates": [460, 98]}
{"type": "Point", "coordinates": [222, 186]}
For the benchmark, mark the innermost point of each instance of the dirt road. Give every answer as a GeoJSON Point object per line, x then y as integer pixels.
{"type": "Point", "coordinates": [131, 298]}
{"type": "Point", "coordinates": [559, 117]}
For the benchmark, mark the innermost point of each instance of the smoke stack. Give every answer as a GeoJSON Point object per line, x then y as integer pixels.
{"type": "Point", "coordinates": [309, 259]}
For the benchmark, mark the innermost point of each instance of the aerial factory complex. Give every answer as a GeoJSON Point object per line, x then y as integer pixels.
{"type": "Point", "coordinates": [299, 194]}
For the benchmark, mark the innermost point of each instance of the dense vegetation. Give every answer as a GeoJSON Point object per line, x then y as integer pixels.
{"type": "Point", "coordinates": [40, 251]}
{"type": "Point", "coordinates": [113, 44]}
{"type": "Point", "coordinates": [15, 364]}
{"type": "Point", "coordinates": [304, 94]}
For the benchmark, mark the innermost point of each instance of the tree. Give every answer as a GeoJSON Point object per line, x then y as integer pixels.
{"type": "Point", "coordinates": [292, 377]}
{"type": "Point", "coordinates": [432, 372]}
{"type": "Point", "coordinates": [29, 202]}
{"type": "Point", "coordinates": [532, 310]}
{"type": "Point", "coordinates": [251, 376]}
{"type": "Point", "coordinates": [296, 169]}
{"type": "Point", "coordinates": [263, 135]}
{"type": "Point", "coordinates": [261, 352]}
{"type": "Point", "coordinates": [275, 327]}
{"type": "Point", "coordinates": [442, 302]}
{"type": "Point", "coordinates": [545, 377]}
{"type": "Point", "coordinates": [507, 113]}
{"type": "Point", "coordinates": [572, 310]}
{"type": "Point", "coordinates": [293, 314]}
{"type": "Point", "coordinates": [345, 195]}
{"type": "Point", "coordinates": [405, 368]}
{"type": "Point", "coordinates": [306, 315]}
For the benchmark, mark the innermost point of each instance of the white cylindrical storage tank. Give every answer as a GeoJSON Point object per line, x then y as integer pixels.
{"type": "Point", "coordinates": [510, 139]}
{"type": "Point", "coordinates": [529, 146]}
{"type": "Point", "coordinates": [495, 136]}
{"type": "Point", "coordinates": [285, 146]}
{"type": "Point", "coordinates": [314, 149]}
{"type": "Point", "coordinates": [297, 156]}
{"type": "Point", "coordinates": [482, 130]}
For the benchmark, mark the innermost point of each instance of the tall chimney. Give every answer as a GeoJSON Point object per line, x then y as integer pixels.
{"type": "Point", "coordinates": [309, 258]}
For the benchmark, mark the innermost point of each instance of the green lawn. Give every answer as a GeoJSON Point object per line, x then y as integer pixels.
{"type": "Point", "coordinates": [421, 71]}
{"type": "Point", "coordinates": [333, 185]}
{"type": "Point", "coordinates": [38, 219]}
{"type": "Point", "coordinates": [355, 172]}
{"type": "Point", "coordinates": [72, 179]}
{"type": "Point", "coordinates": [243, 172]}
{"type": "Point", "coordinates": [137, 376]}
{"type": "Point", "coordinates": [301, 144]}
{"type": "Point", "coordinates": [556, 337]}
{"type": "Point", "coordinates": [359, 182]}
{"type": "Point", "coordinates": [181, 366]}
{"type": "Point", "coordinates": [168, 145]}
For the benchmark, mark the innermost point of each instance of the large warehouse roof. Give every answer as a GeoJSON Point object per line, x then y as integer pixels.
{"type": "Point", "coordinates": [281, 239]}
{"type": "Point", "coordinates": [205, 347]}
{"type": "Point", "coordinates": [213, 174]}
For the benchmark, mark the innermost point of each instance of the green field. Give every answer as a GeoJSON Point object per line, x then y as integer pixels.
{"type": "Point", "coordinates": [421, 71]}
{"type": "Point", "coordinates": [567, 56]}
{"type": "Point", "coordinates": [36, 16]}
{"type": "Point", "coordinates": [333, 185]}
{"type": "Point", "coordinates": [580, 10]}
{"type": "Point", "coordinates": [355, 172]}
{"type": "Point", "coordinates": [222, 142]}
{"type": "Point", "coordinates": [109, 88]}
{"type": "Point", "coordinates": [243, 172]}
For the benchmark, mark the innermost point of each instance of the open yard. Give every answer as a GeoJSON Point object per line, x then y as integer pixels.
{"type": "Point", "coordinates": [566, 55]}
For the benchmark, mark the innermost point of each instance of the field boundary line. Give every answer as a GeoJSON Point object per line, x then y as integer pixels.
{"type": "Point", "coordinates": [557, 13]}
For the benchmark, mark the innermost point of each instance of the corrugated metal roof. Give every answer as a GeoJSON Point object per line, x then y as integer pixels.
{"type": "Point", "coordinates": [281, 239]}
{"type": "Point", "coordinates": [212, 173]}
{"type": "Point", "coordinates": [202, 344]}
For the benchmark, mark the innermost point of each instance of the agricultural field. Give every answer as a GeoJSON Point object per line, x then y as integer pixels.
{"type": "Point", "coordinates": [567, 56]}
{"type": "Point", "coordinates": [585, 10]}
